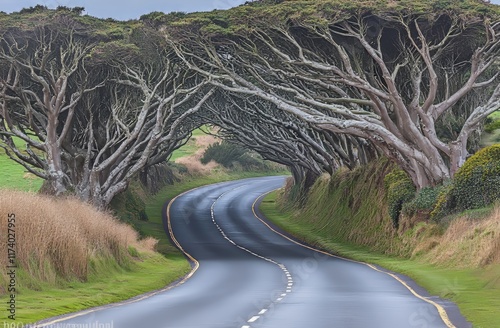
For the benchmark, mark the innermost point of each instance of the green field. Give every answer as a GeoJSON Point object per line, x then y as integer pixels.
{"type": "Point", "coordinates": [14, 175]}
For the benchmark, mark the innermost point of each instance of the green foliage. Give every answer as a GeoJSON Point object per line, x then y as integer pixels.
{"type": "Point", "coordinates": [477, 182]}
{"type": "Point", "coordinates": [233, 156]}
{"type": "Point", "coordinates": [107, 52]}
{"type": "Point", "coordinates": [129, 206]}
{"type": "Point", "coordinates": [242, 19]}
{"type": "Point", "coordinates": [400, 189]}
{"type": "Point", "coordinates": [35, 9]}
{"type": "Point", "coordinates": [490, 127]}
{"type": "Point", "coordinates": [424, 201]}
{"type": "Point", "coordinates": [224, 153]}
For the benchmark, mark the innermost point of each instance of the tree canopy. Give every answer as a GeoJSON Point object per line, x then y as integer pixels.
{"type": "Point", "coordinates": [86, 104]}
{"type": "Point", "coordinates": [314, 85]}
{"type": "Point", "coordinates": [415, 78]}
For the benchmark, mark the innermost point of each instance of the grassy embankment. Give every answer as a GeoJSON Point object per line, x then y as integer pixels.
{"type": "Point", "coordinates": [71, 262]}
{"type": "Point", "coordinates": [347, 216]}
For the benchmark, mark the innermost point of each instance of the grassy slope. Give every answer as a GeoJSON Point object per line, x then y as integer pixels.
{"type": "Point", "coordinates": [189, 148]}
{"type": "Point", "coordinates": [154, 272]}
{"type": "Point", "coordinates": [341, 230]}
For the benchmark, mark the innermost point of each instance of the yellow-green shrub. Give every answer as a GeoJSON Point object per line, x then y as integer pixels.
{"type": "Point", "coordinates": [400, 189]}
{"type": "Point", "coordinates": [477, 182]}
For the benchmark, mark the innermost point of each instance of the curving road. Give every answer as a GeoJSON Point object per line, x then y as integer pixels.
{"type": "Point", "coordinates": [246, 273]}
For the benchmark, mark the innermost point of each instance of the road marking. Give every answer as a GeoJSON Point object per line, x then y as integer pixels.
{"type": "Point", "coordinates": [140, 297]}
{"type": "Point", "coordinates": [280, 265]}
{"type": "Point", "coordinates": [442, 312]}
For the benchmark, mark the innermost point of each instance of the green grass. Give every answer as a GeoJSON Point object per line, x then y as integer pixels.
{"type": "Point", "coordinates": [153, 272]}
{"type": "Point", "coordinates": [488, 139]}
{"type": "Point", "coordinates": [495, 115]}
{"type": "Point", "coordinates": [475, 291]}
{"type": "Point", "coordinates": [189, 148]}
{"type": "Point", "coordinates": [15, 176]}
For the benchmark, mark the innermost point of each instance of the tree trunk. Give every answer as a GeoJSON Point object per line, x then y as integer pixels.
{"type": "Point", "coordinates": [55, 171]}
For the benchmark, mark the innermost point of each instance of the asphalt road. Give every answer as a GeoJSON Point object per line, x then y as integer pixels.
{"type": "Point", "coordinates": [248, 275]}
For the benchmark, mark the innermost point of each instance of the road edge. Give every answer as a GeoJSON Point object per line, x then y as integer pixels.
{"type": "Point", "coordinates": [261, 217]}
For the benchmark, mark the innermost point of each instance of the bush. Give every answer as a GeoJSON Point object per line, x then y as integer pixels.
{"type": "Point", "coordinates": [224, 153]}
{"type": "Point", "coordinates": [444, 203]}
{"type": "Point", "coordinates": [424, 201]}
{"type": "Point", "coordinates": [477, 182]}
{"type": "Point", "coordinates": [400, 189]}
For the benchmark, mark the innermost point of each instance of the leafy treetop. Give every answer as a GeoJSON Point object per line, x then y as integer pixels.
{"type": "Point", "coordinates": [254, 14]}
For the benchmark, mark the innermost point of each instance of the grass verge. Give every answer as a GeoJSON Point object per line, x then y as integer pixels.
{"type": "Point", "coordinates": [152, 273]}
{"type": "Point", "coordinates": [475, 291]}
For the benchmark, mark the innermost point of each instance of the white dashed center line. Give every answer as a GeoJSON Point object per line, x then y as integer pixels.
{"type": "Point", "coordinates": [281, 266]}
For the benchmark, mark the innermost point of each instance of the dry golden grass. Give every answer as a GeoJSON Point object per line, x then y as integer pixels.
{"type": "Point", "coordinates": [466, 242]}
{"type": "Point", "coordinates": [194, 165]}
{"type": "Point", "coordinates": [57, 238]}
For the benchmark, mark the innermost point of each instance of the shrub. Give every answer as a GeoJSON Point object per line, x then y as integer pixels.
{"type": "Point", "coordinates": [425, 200]}
{"type": "Point", "coordinates": [444, 203]}
{"type": "Point", "coordinates": [477, 182]}
{"type": "Point", "coordinates": [400, 189]}
{"type": "Point", "coordinates": [224, 153]}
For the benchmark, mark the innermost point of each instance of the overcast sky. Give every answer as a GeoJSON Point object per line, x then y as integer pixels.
{"type": "Point", "coordinates": [124, 9]}
{"type": "Point", "coordinates": [128, 9]}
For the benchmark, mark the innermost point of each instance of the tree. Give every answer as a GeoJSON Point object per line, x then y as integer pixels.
{"type": "Point", "coordinates": [283, 138]}
{"type": "Point", "coordinates": [391, 73]}
{"type": "Point", "coordinates": [43, 79]}
{"type": "Point", "coordinates": [91, 111]}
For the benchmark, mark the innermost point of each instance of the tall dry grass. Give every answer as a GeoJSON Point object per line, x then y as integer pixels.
{"type": "Point", "coordinates": [467, 242]}
{"type": "Point", "coordinates": [58, 238]}
{"type": "Point", "coordinates": [194, 165]}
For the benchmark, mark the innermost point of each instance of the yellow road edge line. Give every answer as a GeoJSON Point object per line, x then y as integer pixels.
{"type": "Point", "coordinates": [442, 312]}
{"type": "Point", "coordinates": [147, 295]}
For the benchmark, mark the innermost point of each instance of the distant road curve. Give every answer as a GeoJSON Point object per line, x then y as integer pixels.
{"type": "Point", "coordinates": [249, 274]}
